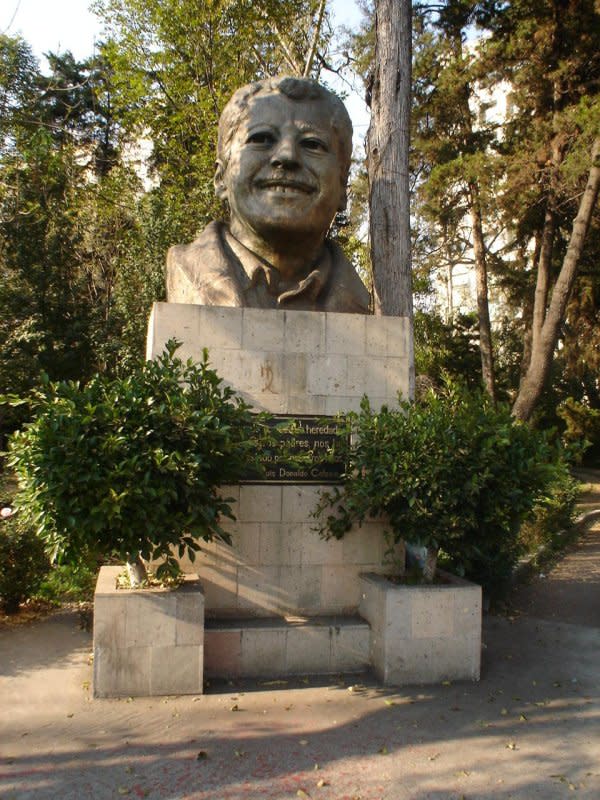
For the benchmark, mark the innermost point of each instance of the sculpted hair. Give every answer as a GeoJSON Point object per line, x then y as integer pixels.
{"type": "Point", "coordinates": [296, 89]}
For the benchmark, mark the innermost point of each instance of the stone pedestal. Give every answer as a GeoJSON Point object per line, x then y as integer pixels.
{"type": "Point", "coordinates": [423, 634]}
{"type": "Point", "coordinates": [147, 641]}
{"type": "Point", "coordinates": [292, 363]}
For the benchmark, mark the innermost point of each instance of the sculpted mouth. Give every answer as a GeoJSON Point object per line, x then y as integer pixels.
{"type": "Point", "coordinates": [285, 186]}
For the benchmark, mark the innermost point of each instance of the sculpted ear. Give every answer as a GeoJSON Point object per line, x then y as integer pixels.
{"type": "Point", "coordinates": [219, 181]}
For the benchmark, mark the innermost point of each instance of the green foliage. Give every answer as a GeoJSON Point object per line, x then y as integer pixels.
{"type": "Point", "coordinates": [446, 349]}
{"type": "Point", "coordinates": [69, 583]}
{"type": "Point", "coordinates": [582, 428]}
{"type": "Point", "coordinates": [451, 472]}
{"type": "Point", "coordinates": [68, 226]}
{"type": "Point", "coordinates": [23, 562]}
{"type": "Point", "coordinates": [553, 513]}
{"type": "Point", "coordinates": [133, 465]}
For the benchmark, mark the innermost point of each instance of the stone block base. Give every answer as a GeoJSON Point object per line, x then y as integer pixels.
{"type": "Point", "coordinates": [147, 641]}
{"type": "Point", "coordinates": [423, 634]}
{"type": "Point", "coordinates": [272, 648]}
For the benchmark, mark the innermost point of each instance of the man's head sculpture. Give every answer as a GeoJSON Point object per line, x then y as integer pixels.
{"type": "Point", "coordinates": [283, 157]}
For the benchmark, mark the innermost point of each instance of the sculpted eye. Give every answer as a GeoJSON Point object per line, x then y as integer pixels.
{"type": "Point", "coordinates": [316, 145]}
{"type": "Point", "coordinates": [261, 137]}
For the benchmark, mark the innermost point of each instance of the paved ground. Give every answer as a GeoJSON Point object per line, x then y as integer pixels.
{"type": "Point", "coordinates": [530, 729]}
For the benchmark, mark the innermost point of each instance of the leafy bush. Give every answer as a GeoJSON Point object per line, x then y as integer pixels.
{"type": "Point", "coordinates": [133, 465]}
{"type": "Point", "coordinates": [23, 562]}
{"type": "Point", "coordinates": [446, 348]}
{"type": "Point", "coordinates": [553, 513]}
{"type": "Point", "coordinates": [582, 429]}
{"type": "Point", "coordinates": [452, 473]}
{"type": "Point", "coordinates": [69, 583]}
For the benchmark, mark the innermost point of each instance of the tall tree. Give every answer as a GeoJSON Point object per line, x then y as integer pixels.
{"type": "Point", "coordinates": [549, 315]}
{"type": "Point", "coordinates": [453, 148]}
{"type": "Point", "coordinates": [387, 158]}
{"type": "Point", "coordinates": [549, 53]}
{"type": "Point", "coordinates": [63, 227]}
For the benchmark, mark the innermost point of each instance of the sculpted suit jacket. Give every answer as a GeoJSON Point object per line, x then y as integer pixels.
{"type": "Point", "coordinates": [216, 270]}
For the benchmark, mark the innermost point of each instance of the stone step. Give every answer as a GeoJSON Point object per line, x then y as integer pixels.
{"type": "Point", "coordinates": [279, 646]}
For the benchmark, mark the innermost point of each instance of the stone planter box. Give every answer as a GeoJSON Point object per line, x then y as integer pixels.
{"type": "Point", "coordinates": [423, 634]}
{"type": "Point", "coordinates": [147, 641]}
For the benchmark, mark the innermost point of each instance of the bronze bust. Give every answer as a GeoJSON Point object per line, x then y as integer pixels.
{"type": "Point", "coordinates": [283, 157]}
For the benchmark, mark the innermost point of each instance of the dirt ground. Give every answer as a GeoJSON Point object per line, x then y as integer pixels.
{"type": "Point", "coordinates": [529, 730]}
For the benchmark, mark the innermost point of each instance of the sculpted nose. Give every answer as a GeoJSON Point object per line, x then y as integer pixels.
{"type": "Point", "coordinates": [285, 154]}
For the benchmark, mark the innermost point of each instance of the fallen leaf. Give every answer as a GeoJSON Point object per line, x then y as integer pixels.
{"type": "Point", "coordinates": [504, 712]}
{"type": "Point", "coordinates": [522, 717]}
{"type": "Point", "coordinates": [240, 753]}
{"type": "Point", "coordinates": [302, 793]}
{"type": "Point", "coordinates": [124, 790]}
{"type": "Point", "coordinates": [303, 742]}
{"type": "Point", "coordinates": [559, 777]}
{"type": "Point", "coordinates": [234, 707]}
{"type": "Point", "coordinates": [446, 683]}
{"type": "Point", "coordinates": [70, 715]}
{"type": "Point", "coordinates": [322, 783]}
{"type": "Point", "coordinates": [463, 773]}
{"type": "Point", "coordinates": [390, 703]}
{"type": "Point", "coordinates": [383, 750]}
{"type": "Point", "coordinates": [433, 757]}
{"type": "Point", "coordinates": [511, 746]}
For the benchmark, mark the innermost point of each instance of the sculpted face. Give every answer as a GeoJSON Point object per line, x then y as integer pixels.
{"type": "Point", "coordinates": [283, 180]}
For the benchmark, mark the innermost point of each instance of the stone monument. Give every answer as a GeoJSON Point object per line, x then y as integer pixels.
{"type": "Point", "coordinates": [285, 319]}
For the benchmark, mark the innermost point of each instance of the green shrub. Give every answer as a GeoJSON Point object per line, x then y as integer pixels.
{"type": "Point", "coordinates": [452, 473]}
{"type": "Point", "coordinates": [69, 583]}
{"type": "Point", "coordinates": [23, 562]}
{"type": "Point", "coordinates": [582, 429]}
{"type": "Point", "coordinates": [133, 465]}
{"type": "Point", "coordinates": [553, 513]}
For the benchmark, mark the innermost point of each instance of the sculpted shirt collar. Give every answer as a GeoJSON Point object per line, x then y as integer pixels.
{"type": "Point", "coordinates": [258, 271]}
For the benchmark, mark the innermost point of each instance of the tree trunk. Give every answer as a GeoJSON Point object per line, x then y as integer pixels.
{"type": "Point", "coordinates": [136, 571]}
{"type": "Point", "coordinates": [543, 346]}
{"type": "Point", "coordinates": [483, 308]}
{"type": "Point", "coordinates": [542, 286]}
{"type": "Point", "coordinates": [387, 156]}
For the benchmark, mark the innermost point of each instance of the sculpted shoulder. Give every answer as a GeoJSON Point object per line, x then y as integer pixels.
{"type": "Point", "coordinates": [348, 293]}
{"type": "Point", "coordinates": [201, 272]}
